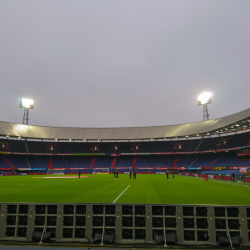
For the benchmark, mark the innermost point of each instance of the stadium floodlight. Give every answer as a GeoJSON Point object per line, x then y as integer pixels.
{"type": "Point", "coordinates": [204, 99]}
{"type": "Point", "coordinates": [26, 104]}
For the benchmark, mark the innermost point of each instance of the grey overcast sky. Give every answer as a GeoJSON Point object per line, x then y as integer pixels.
{"type": "Point", "coordinates": [123, 63]}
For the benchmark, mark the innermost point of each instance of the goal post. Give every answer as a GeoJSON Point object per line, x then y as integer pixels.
{"type": "Point", "coordinates": [101, 171]}
{"type": "Point", "coordinates": [55, 171]}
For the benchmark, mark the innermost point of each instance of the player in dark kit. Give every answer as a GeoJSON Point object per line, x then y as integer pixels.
{"type": "Point", "coordinates": [173, 175]}
{"type": "Point", "coordinates": [79, 173]}
{"type": "Point", "coordinates": [116, 174]}
{"type": "Point", "coordinates": [134, 174]}
{"type": "Point", "coordinates": [130, 173]}
{"type": "Point", "coordinates": [167, 175]}
{"type": "Point", "coordinates": [233, 176]}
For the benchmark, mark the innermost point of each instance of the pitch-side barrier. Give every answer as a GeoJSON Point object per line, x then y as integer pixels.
{"type": "Point", "coordinates": [126, 223]}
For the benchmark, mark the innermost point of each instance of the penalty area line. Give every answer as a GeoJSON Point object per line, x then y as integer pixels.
{"type": "Point", "coordinates": [121, 193]}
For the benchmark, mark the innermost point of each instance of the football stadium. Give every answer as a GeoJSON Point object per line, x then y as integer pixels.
{"type": "Point", "coordinates": [177, 184]}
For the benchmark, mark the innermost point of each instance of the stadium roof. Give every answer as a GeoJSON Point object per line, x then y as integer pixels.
{"type": "Point", "coordinates": [231, 123]}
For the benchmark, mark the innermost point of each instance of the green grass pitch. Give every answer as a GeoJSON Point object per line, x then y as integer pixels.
{"type": "Point", "coordinates": [103, 188]}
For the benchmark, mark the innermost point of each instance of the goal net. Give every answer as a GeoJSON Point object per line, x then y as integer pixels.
{"type": "Point", "coordinates": [55, 171]}
{"type": "Point", "coordinates": [101, 171]}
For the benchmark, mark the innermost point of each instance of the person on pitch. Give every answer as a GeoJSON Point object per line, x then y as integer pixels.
{"type": "Point", "coordinates": [167, 174]}
{"type": "Point", "coordinates": [130, 174]}
{"type": "Point", "coordinates": [79, 173]}
{"type": "Point", "coordinates": [233, 176]}
{"type": "Point", "coordinates": [134, 174]}
{"type": "Point", "coordinates": [117, 174]}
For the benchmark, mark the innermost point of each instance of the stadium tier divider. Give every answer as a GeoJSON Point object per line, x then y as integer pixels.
{"type": "Point", "coordinates": [126, 223]}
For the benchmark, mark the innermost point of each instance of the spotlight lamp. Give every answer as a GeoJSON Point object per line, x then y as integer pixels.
{"type": "Point", "coordinates": [205, 98]}
{"type": "Point", "coordinates": [26, 103]}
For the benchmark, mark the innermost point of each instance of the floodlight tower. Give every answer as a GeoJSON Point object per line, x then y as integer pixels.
{"type": "Point", "coordinates": [26, 104]}
{"type": "Point", "coordinates": [204, 99]}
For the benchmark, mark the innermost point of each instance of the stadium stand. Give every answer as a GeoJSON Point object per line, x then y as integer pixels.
{"type": "Point", "coordinates": [75, 162]}
{"type": "Point", "coordinates": [207, 150]}
{"type": "Point", "coordinates": [16, 161]}
{"type": "Point", "coordinates": [38, 161]}
{"type": "Point", "coordinates": [124, 162]}
{"type": "Point", "coordinates": [222, 172]}
{"type": "Point", "coordinates": [103, 162]}
{"type": "Point", "coordinates": [4, 164]}
{"type": "Point", "coordinates": [183, 162]}
{"type": "Point", "coordinates": [194, 150]}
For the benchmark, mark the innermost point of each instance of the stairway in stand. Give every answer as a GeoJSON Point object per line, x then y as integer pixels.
{"type": "Point", "coordinates": [193, 162]}
{"type": "Point", "coordinates": [9, 163]}
{"type": "Point", "coordinates": [134, 162]}
{"type": "Point", "coordinates": [50, 163]}
{"type": "Point", "coordinates": [113, 163]}
{"type": "Point", "coordinates": [176, 162]}
{"type": "Point", "coordinates": [198, 145]}
{"type": "Point", "coordinates": [214, 161]}
{"type": "Point", "coordinates": [26, 146]}
{"type": "Point", "coordinates": [93, 163]}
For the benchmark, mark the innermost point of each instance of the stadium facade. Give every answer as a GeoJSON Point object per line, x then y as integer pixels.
{"type": "Point", "coordinates": [221, 143]}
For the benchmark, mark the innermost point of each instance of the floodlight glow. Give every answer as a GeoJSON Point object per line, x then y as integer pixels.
{"type": "Point", "coordinates": [204, 98]}
{"type": "Point", "coordinates": [26, 103]}
{"type": "Point", "coordinates": [21, 127]}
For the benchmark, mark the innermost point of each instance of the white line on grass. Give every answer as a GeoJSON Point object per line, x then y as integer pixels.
{"type": "Point", "coordinates": [221, 182]}
{"type": "Point", "coordinates": [121, 194]}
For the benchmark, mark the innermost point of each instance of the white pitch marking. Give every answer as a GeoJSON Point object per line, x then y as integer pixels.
{"type": "Point", "coordinates": [121, 194]}
{"type": "Point", "coordinates": [221, 182]}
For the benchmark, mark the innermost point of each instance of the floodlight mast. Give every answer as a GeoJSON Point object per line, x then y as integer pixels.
{"type": "Point", "coordinates": [26, 104]}
{"type": "Point", "coordinates": [26, 116]}
{"type": "Point", "coordinates": [205, 113]}
{"type": "Point", "coordinates": [204, 99]}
